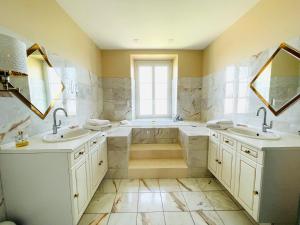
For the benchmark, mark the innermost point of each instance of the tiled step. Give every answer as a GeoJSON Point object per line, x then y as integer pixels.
{"type": "Point", "coordinates": [156, 151]}
{"type": "Point", "coordinates": [157, 168]}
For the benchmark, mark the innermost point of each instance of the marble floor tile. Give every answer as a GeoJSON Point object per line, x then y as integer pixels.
{"type": "Point", "coordinates": [101, 203]}
{"type": "Point", "coordinates": [94, 219]}
{"type": "Point", "coordinates": [197, 201]}
{"type": "Point", "coordinates": [150, 202]}
{"type": "Point", "coordinates": [168, 185]}
{"type": "Point", "coordinates": [209, 184]}
{"type": "Point", "coordinates": [189, 184]}
{"type": "Point", "coordinates": [206, 218]}
{"type": "Point", "coordinates": [109, 186]}
{"type": "Point", "coordinates": [153, 218]}
{"type": "Point", "coordinates": [149, 185]}
{"type": "Point", "coordinates": [173, 202]}
{"type": "Point", "coordinates": [122, 219]}
{"type": "Point", "coordinates": [234, 218]}
{"type": "Point", "coordinates": [178, 218]}
{"type": "Point", "coordinates": [129, 185]}
{"type": "Point", "coordinates": [125, 202]}
{"type": "Point", "coordinates": [221, 201]}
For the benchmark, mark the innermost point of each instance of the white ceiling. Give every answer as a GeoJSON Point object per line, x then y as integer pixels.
{"type": "Point", "coordinates": [155, 24]}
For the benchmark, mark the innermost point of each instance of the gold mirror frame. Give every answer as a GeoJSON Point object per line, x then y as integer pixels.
{"type": "Point", "coordinates": [293, 52]}
{"type": "Point", "coordinates": [33, 48]}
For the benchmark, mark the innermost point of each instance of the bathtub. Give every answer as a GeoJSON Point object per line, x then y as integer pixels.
{"type": "Point", "coordinates": [162, 123]}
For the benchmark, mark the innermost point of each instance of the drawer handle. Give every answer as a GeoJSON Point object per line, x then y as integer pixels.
{"type": "Point", "coordinates": [100, 163]}
{"type": "Point", "coordinates": [81, 153]}
{"type": "Point", "coordinates": [76, 195]}
{"type": "Point", "coordinates": [94, 142]}
{"type": "Point", "coordinates": [255, 192]}
{"type": "Point", "coordinates": [219, 162]}
{"type": "Point", "coordinates": [214, 135]}
{"type": "Point", "coordinates": [247, 151]}
{"type": "Point", "coordinates": [216, 160]}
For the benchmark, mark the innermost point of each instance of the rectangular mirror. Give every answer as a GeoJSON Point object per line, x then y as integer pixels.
{"type": "Point", "coordinates": [42, 87]}
{"type": "Point", "coordinates": [277, 83]}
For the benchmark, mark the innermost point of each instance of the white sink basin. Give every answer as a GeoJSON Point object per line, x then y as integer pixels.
{"type": "Point", "coordinates": [252, 133]}
{"type": "Point", "coordinates": [66, 135]}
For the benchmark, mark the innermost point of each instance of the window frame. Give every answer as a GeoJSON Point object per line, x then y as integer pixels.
{"type": "Point", "coordinates": [153, 63]}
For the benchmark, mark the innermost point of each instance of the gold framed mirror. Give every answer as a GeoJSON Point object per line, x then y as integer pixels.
{"type": "Point", "coordinates": [42, 87]}
{"type": "Point", "coordinates": [277, 83]}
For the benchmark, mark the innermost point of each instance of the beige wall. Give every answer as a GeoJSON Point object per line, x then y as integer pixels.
{"type": "Point", "coordinates": [116, 63]}
{"type": "Point", "coordinates": [44, 22]}
{"type": "Point", "coordinates": [267, 24]}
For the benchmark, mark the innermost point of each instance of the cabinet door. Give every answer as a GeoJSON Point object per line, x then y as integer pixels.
{"type": "Point", "coordinates": [248, 181]}
{"type": "Point", "coordinates": [103, 159]}
{"type": "Point", "coordinates": [95, 171]}
{"type": "Point", "coordinates": [227, 167]}
{"type": "Point", "coordinates": [213, 157]}
{"type": "Point", "coordinates": [80, 186]}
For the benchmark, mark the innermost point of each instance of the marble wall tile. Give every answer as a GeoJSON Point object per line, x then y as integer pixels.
{"type": "Point", "coordinates": [118, 156]}
{"type": "Point", "coordinates": [118, 159]}
{"type": "Point", "coordinates": [154, 135]}
{"type": "Point", "coordinates": [118, 143]}
{"type": "Point", "coordinates": [189, 97]}
{"type": "Point", "coordinates": [214, 94]}
{"type": "Point", "coordinates": [117, 98]}
{"type": "Point", "coordinates": [195, 153]}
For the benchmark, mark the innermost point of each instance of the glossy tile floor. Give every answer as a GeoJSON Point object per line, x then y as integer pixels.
{"type": "Point", "coordinates": [187, 201]}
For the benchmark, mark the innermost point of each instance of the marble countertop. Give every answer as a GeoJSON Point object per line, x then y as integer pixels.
{"type": "Point", "coordinates": [286, 142]}
{"type": "Point", "coordinates": [195, 130]}
{"type": "Point", "coordinates": [119, 132]}
{"type": "Point", "coordinates": [37, 145]}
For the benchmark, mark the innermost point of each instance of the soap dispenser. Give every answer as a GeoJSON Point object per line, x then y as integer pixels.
{"type": "Point", "coordinates": [21, 139]}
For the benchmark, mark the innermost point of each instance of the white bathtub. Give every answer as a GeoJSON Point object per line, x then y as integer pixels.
{"type": "Point", "coordinates": [162, 123]}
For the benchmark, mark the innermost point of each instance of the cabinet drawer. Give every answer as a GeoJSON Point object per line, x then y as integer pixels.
{"type": "Point", "coordinates": [229, 142]}
{"type": "Point", "coordinates": [215, 136]}
{"type": "Point", "coordinates": [78, 155]}
{"type": "Point", "coordinates": [96, 140]}
{"type": "Point", "coordinates": [251, 153]}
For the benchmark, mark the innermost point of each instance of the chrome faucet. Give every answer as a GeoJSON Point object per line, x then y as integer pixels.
{"type": "Point", "coordinates": [265, 126]}
{"type": "Point", "coordinates": [56, 126]}
{"type": "Point", "coordinates": [178, 118]}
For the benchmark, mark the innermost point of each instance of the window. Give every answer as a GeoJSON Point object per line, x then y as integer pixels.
{"type": "Point", "coordinates": [236, 90]}
{"type": "Point", "coordinates": [153, 89]}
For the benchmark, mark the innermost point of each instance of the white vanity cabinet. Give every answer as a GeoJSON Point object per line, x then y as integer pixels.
{"type": "Point", "coordinates": [266, 182]}
{"type": "Point", "coordinates": [98, 162]}
{"type": "Point", "coordinates": [43, 184]}
{"type": "Point", "coordinates": [221, 159]}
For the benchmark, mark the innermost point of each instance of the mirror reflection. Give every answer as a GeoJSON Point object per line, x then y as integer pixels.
{"type": "Point", "coordinates": [278, 82]}
{"type": "Point", "coordinates": [43, 86]}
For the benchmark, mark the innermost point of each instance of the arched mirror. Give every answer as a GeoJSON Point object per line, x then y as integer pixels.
{"type": "Point", "coordinates": [42, 87]}
{"type": "Point", "coordinates": [277, 83]}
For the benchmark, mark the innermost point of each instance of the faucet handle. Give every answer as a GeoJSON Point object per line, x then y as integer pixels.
{"type": "Point", "coordinates": [59, 123]}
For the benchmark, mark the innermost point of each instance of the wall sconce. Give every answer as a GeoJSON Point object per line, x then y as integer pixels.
{"type": "Point", "coordinates": [13, 60]}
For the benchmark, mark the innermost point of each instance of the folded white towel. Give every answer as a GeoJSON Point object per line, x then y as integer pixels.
{"type": "Point", "coordinates": [124, 122]}
{"type": "Point", "coordinates": [96, 122]}
{"type": "Point", "coordinates": [96, 128]}
{"type": "Point", "coordinates": [220, 122]}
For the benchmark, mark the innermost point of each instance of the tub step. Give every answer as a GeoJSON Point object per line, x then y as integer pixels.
{"type": "Point", "coordinates": [157, 168]}
{"type": "Point", "coordinates": [156, 151]}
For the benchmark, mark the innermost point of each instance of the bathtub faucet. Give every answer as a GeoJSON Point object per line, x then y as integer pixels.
{"type": "Point", "coordinates": [178, 118]}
